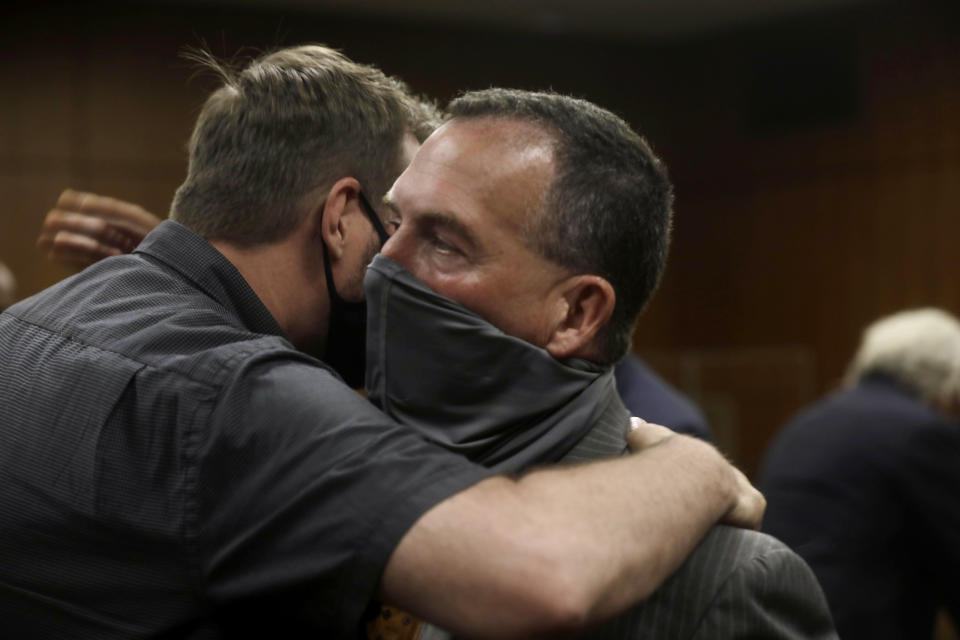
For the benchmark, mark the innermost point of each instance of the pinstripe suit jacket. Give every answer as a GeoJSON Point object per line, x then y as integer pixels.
{"type": "Point", "coordinates": [736, 585]}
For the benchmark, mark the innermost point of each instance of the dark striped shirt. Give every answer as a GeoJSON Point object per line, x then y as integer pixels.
{"type": "Point", "coordinates": [171, 465]}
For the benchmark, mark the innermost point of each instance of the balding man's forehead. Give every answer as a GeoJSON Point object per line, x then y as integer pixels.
{"type": "Point", "coordinates": [510, 131]}
{"type": "Point", "coordinates": [501, 148]}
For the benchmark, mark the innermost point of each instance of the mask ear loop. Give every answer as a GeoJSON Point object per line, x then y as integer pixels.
{"type": "Point", "coordinates": [374, 218]}
{"type": "Point", "coordinates": [335, 298]}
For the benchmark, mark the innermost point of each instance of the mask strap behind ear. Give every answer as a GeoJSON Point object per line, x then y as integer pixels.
{"type": "Point", "coordinates": [335, 298]}
{"type": "Point", "coordinates": [374, 218]}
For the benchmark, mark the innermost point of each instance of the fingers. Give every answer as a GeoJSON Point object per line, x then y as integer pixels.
{"type": "Point", "coordinates": [63, 220]}
{"type": "Point", "coordinates": [71, 228]}
{"type": "Point", "coordinates": [749, 506]}
{"type": "Point", "coordinates": [76, 249]}
{"type": "Point", "coordinates": [643, 434]}
{"type": "Point", "coordinates": [126, 216]}
{"type": "Point", "coordinates": [85, 227]}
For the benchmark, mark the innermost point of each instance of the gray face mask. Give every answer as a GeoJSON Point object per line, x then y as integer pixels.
{"type": "Point", "coordinates": [445, 371]}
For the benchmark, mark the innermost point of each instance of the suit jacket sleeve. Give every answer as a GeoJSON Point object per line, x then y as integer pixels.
{"type": "Point", "coordinates": [928, 478]}
{"type": "Point", "coordinates": [737, 584]}
{"type": "Point", "coordinates": [773, 595]}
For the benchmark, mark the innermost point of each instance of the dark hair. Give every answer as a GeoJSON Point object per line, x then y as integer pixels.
{"type": "Point", "coordinates": [608, 209]}
{"type": "Point", "coordinates": [291, 121]}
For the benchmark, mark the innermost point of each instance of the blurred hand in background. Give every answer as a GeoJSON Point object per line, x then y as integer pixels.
{"type": "Point", "coordinates": [85, 227]}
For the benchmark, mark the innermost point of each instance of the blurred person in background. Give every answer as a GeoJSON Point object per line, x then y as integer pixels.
{"type": "Point", "coordinates": [865, 485]}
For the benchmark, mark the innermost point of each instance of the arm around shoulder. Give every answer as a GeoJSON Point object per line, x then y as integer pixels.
{"type": "Point", "coordinates": [561, 549]}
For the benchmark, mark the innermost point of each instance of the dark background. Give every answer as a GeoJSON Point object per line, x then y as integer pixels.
{"type": "Point", "coordinates": [816, 154]}
{"type": "Point", "coordinates": [815, 149]}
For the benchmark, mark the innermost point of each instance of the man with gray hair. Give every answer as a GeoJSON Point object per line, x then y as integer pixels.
{"type": "Point", "coordinates": [864, 484]}
{"type": "Point", "coordinates": [178, 461]}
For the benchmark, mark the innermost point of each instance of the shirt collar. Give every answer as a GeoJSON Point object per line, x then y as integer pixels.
{"type": "Point", "coordinates": [197, 260]}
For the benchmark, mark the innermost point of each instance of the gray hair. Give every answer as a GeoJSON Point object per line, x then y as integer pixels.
{"type": "Point", "coordinates": [608, 210]}
{"type": "Point", "coordinates": [291, 121]}
{"type": "Point", "coordinates": [919, 348]}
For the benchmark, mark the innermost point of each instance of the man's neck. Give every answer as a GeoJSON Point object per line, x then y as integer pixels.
{"type": "Point", "coordinates": [290, 285]}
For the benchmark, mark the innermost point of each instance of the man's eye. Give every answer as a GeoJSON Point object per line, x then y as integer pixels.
{"type": "Point", "coordinates": [442, 246]}
{"type": "Point", "coordinates": [392, 225]}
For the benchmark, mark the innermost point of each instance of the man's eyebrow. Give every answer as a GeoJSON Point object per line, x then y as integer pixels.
{"type": "Point", "coordinates": [443, 220]}
{"type": "Point", "coordinates": [439, 219]}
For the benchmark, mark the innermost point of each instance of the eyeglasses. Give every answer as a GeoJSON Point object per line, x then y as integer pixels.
{"type": "Point", "coordinates": [374, 218]}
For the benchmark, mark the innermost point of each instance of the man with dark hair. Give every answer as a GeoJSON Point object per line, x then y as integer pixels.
{"type": "Point", "coordinates": [176, 462]}
{"type": "Point", "coordinates": [495, 291]}
{"type": "Point", "coordinates": [606, 209]}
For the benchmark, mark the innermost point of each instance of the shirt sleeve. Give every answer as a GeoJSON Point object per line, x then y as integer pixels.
{"type": "Point", "coordinates": [304, 490]}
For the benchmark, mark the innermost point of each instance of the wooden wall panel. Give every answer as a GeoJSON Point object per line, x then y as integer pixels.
{"type": "Point", "coordinates": [788, 236]}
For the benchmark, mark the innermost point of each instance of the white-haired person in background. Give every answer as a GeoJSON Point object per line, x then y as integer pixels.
{"type": "Point", "coordinates": [865, 485]}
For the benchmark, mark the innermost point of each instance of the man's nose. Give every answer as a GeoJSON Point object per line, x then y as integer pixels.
{"type": "Point", "coordinates": [391, 248]}
{"type": "Point", "coordinates": [402, 249]}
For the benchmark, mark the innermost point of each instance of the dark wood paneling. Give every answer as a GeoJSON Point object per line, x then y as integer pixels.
{"type": "Point", "coordinates": [790, 236]}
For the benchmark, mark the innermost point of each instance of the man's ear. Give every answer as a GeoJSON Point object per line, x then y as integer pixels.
{"type": "Point", "coordinates": [586, 306]}
{"type": "Point", "coordinates": [329, 215]}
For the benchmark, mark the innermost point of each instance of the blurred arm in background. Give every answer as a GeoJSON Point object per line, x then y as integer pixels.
{"type": "Point", "coordinates": [85, 227]}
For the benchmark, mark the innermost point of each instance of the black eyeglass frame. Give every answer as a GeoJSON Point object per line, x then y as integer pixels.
{"type": "Point", "coordinates": [374, 218]}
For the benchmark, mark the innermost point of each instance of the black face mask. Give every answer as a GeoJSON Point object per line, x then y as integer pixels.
{"type": "Point", "coordinates": [347, 334]}
{"type": "Point", "coordinates": [436, 366]}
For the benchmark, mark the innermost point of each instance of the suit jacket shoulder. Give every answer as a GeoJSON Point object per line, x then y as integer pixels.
{"type": "Point", "coordinates": [737, 584]}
